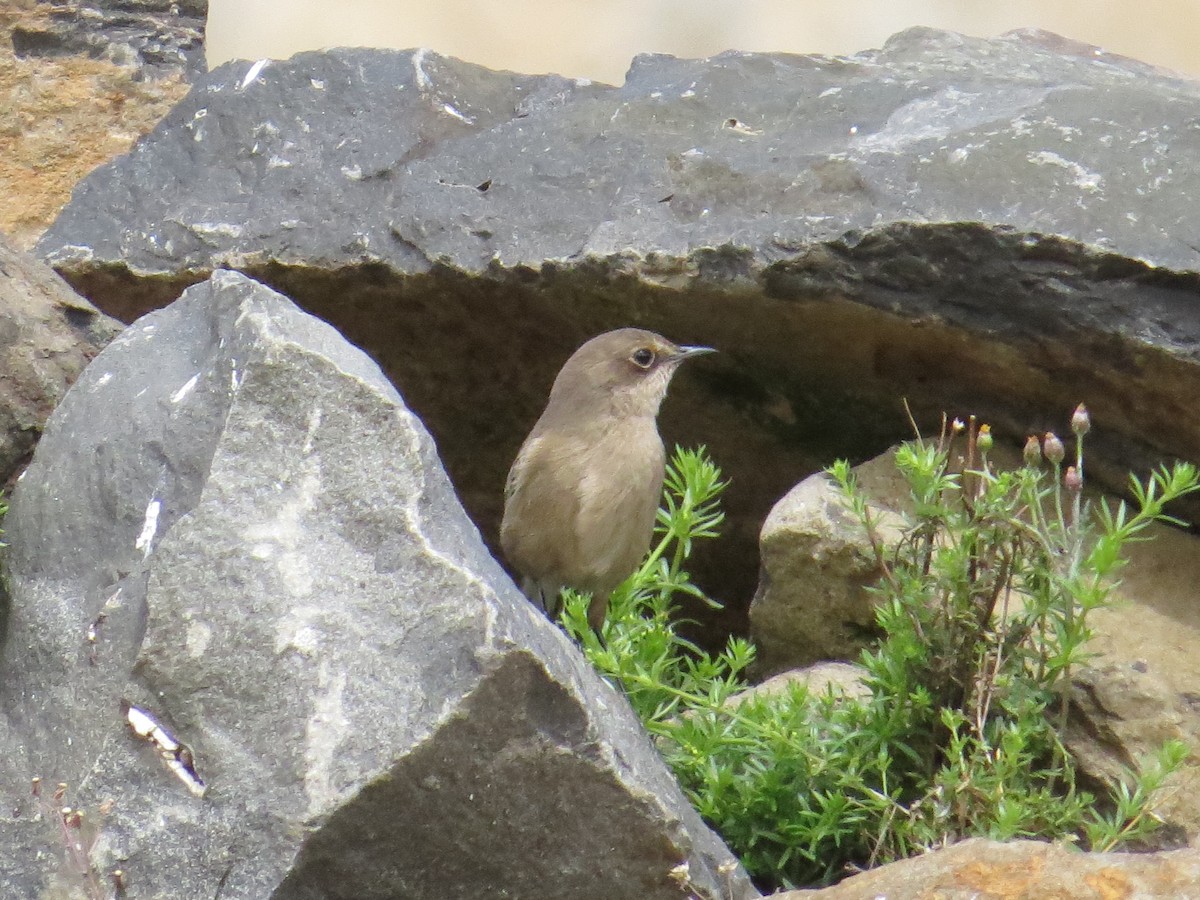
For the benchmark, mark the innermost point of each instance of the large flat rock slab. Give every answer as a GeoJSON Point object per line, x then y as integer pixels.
{"type": "Point", "coordinates": [996, 226]}
{"type": "Point", "coordinates": [427, 160]}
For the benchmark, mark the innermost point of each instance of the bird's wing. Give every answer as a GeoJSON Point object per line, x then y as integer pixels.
{"type": "Point", "coordinates": [539, 537]}
{"type": "Point", "coordinates": [515, 474]}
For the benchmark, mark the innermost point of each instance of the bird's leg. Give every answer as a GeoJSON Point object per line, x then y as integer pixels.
{"type": "Point", "coordinates": [597, 610]}
{"type": "Point", "coordinates": [546, 597]}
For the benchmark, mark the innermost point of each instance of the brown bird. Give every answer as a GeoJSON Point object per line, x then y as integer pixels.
{"type": "Point", "coordinates": [581, 496]}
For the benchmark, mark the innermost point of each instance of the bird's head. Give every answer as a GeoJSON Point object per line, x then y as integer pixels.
{"type": "Point", "coordinates": [624, 372]}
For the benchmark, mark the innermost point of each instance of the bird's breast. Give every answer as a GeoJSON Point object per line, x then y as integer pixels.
{"type": "Point", "coordinates": [581, 502]}
{"type": "Point", "coordinates": [618, 496]}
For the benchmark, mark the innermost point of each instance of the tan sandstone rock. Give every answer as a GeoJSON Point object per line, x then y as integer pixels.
{"type": "Point", "coordinates": [1022, 870]}
{"type": "Point", "coordinates": [813, 601]}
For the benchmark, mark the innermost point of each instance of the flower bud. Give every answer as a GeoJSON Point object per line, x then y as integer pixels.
{"type": "Point", "coordinates": [1073, 481]}
{"type": "Point", "coordinates": [1053, 448]}
{"type": "Point", "coordinates": [983, 440]}
{"type": "Point", "coordinates": [1032, 451]}
{"type": "Point", "coordinates": [1081, 422]}
{"type": "Point", "coordinates": [957, 426]}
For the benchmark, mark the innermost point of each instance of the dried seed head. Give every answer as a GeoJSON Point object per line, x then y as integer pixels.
{"type": "Point", "coordinates": [1072, 480]}
{"type": "Point", "coordinates": [1081, 422]}
{"type": "Point", "coordinates": [36, 787]}
{"type": "Point", "coordinates": [681, 874]}
{"type": "Point", "coordinates": [1053, 448]}
{"type": "Point", "coordinates": [1032, 451]}
{"type": "Point", "coordinates": [984, 439]}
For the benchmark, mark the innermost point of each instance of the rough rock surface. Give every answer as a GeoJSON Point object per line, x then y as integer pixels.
{"type": "Point", "coordinates": [48, 333]}
{"type": "Point", "coordinates": [1022, 870]}
{"type": "Point", "coordinates": [813, 600]}
{"type": "Point", "coordinates": [839, 678]}
{"type": "Point", "coordinates": [233, 522]}
{"type": "Point", "coordinates": [61, 117]}
{"type": "Point", "coordinates": [157, 36]}
{"type": "Point", "coordinates": [1143, 686]}
{"type": "Point", "coordinates": [996, 226]}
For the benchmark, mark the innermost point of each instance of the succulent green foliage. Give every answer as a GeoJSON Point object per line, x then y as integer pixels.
{"type": "Point", "coordinates": [984, 605]}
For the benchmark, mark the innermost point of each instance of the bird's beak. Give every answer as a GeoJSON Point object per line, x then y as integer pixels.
{"type": "Point", "coordinates": [688, 352]}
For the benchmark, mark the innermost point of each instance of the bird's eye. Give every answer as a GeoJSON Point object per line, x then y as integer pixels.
{"type": "Point", "coordinates": [643, 358]}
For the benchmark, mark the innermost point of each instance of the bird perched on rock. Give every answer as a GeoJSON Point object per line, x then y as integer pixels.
{"type": "Point", "coordinates": [581, 497]}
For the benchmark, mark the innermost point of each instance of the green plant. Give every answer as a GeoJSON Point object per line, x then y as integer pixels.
{"type": "Point", "coordinates": [984, 606]}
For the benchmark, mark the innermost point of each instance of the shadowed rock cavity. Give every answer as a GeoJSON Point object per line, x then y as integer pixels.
{"type": "Point", "coordinates": [234, 523]}
{"type": "Point", "coordinates": [1000, 227]}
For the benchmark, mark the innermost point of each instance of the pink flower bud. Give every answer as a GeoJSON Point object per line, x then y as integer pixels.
{"type": "Point", "coordinates": [1053, 448]}
{"type": "Point", "coordinates": [1032, 451]}
{"type": "Point", "coordinates": [1081, 422]}
{"type": "Point", "coordinates": [1073, 481]}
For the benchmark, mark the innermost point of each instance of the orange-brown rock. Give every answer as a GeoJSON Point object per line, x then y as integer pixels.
{"type": "Point", "coordinates": [1022, 870]}
{"type": "Point", "coordinates": [61, 117]}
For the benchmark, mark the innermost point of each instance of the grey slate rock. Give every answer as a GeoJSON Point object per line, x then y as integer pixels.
{"type": "Point", "coordinates": [992, 226]}
{"type": "Point", "coordinates": [290, 152]}
{"type": "Point", "coordinates": [48, 333]}
{"type": "Point", "coordinates": [289, 584]}
{"type": "Point", "coordinates": [383, 156]}
{"type": "Point", "coordinates": [158, 37]}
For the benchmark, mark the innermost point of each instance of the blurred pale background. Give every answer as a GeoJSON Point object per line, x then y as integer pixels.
{"type": "Point", "coordinates": [597, 38]}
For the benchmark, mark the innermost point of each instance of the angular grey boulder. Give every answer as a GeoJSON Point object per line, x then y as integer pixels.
{"type": "Point", "coordinates": [234, 523]}
{"type": "Point", "coordinates": [48, 333]}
